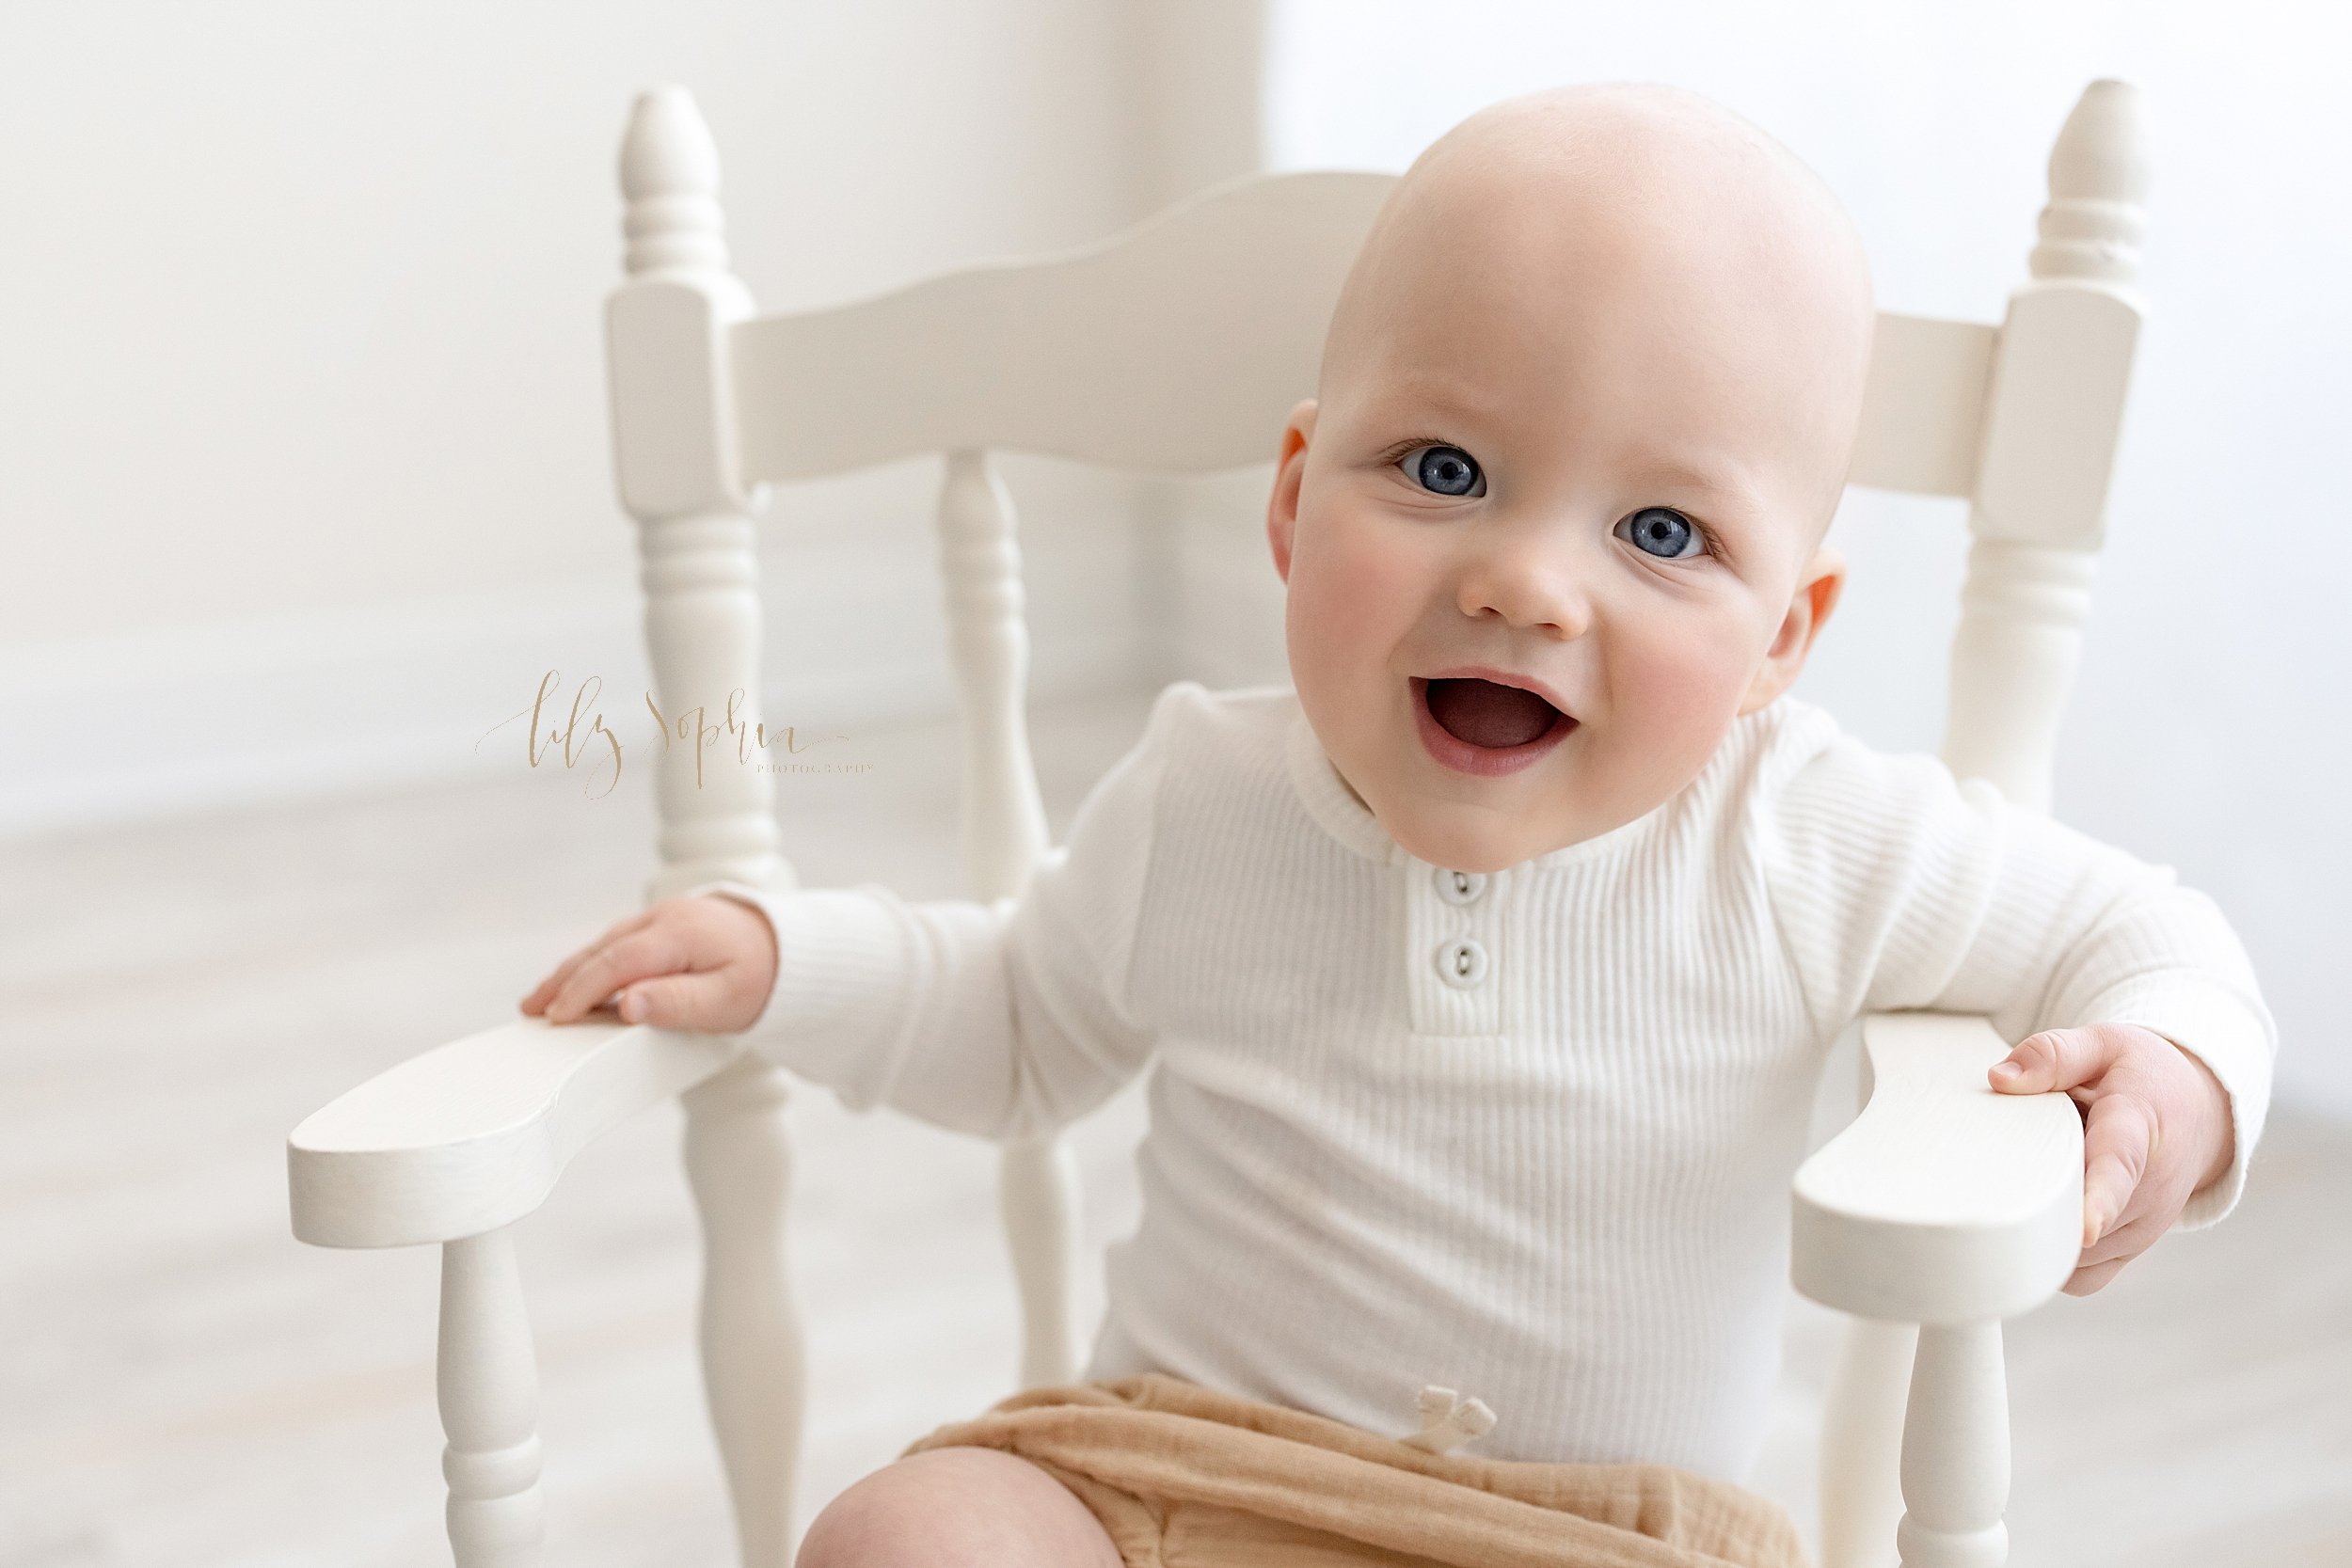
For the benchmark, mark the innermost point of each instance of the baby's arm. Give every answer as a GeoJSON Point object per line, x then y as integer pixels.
{"type": "Point", "coordinates": [1001, 1017]}
{"type": "Point", "coordinates": [1899, 887]}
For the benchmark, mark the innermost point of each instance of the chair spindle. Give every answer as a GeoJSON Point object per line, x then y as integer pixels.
{"type": "Point", "coordinates": [1004, 819]}
{"type": "Point", "coordinates": [738, 1158]}
{"type": "Point", "coordinates": [489, 1383]}
{"type": "Point", "coordinates": [1003, 836]}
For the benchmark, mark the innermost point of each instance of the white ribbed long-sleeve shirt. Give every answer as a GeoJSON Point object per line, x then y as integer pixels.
{"type": "Point", "coordinates": [1527, 1134]}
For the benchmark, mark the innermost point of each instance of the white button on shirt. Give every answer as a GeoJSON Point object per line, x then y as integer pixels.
{"type": "Point", "coordinates": [1459, 887]}
{"type": "Point", "coordinates": [1458, 930]}
{"type": "Point", "coordinates": [1462, 962]}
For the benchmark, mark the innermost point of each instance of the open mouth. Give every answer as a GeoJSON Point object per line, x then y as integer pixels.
{"type": "Point", "coordinates": [1485, 727]}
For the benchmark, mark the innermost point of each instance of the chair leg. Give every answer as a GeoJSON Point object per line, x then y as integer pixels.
{"type": "Point", "coordinates": [488, 1383]}
{"type": "Point", "coordinates": [1956, 1452]}
{"type": "Point", "coordinates": [1861, 1435]}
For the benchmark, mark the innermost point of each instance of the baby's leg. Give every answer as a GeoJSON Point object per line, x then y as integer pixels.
{"type": "Point", "coordinates": [957, 1508]}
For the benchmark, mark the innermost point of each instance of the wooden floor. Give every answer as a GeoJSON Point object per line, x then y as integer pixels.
{"type": "Point", "coordinates": [182, 1384]}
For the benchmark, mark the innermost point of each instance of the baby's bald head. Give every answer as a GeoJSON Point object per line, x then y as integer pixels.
{"type": "Point", "coordinates": [1624, 224]}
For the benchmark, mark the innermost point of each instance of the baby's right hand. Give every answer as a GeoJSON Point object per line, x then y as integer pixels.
{"type": "Point", "coordinates": [704, 965]}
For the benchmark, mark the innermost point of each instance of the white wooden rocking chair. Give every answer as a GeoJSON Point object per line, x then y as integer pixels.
{"type": "Point", "coordinates": [1179, 347]}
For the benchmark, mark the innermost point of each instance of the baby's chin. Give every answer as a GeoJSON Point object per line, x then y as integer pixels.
{"type": "Point", "coordinates": [1458, 835]}
{"type": "Point", "coordinates": [1470, 838]}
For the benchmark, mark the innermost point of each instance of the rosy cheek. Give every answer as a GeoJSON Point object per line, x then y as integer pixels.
{"type": "Point", "coordinates": [1352, 581]}
{"type": "Point", "coordinates": [1679, 684]}
{"type": "Point", "coordinates": [1361, 557]}
{"type": "Point", "coordinates": [1694, 678]}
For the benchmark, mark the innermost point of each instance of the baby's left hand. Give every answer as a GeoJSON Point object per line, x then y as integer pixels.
{"type": "Point", "coordinates": [2156, 1130]}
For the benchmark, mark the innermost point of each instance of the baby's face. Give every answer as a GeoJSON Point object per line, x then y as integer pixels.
{"type": "Point", "coordinates": [1552, 524]}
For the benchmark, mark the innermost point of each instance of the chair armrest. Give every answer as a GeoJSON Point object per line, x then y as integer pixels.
{"type": "Point", "coordinates": [1945, 1201]}
{"type": "Point", "coordinates": [471, 1135]}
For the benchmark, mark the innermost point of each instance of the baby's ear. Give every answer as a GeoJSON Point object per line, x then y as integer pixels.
{"type": "Point", "coordinates": [1281, 507]}
{"type": "Point", "coordinates": [1818, 588]}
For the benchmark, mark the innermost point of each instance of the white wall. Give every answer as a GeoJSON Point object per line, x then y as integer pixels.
{"type": "Point", "coordinates": [305, 476]}
{"type": "Point", "coordinates": [2208, 728]}
{"type": "Point", "coordinates": [304, 473]}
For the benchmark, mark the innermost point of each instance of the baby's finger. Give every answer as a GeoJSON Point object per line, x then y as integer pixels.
{"type": "Point", "coordinates": [2055, 1059]}
{"type": "Point", "coordinates": [633, 957]}
{"type": "Point", "coordinates": [542, 993]}
{"type": "Point", "coordinates": [565, 971]}
{"type": "Point", "coordinates": [2091, 1276]}
{"type": "Point", "coordinates": [2122, 1240]}
{"type": "Point", "coordinates": [690, 1002]}
{"type": "Point", "coordinates": [2117, 1136]}
{"type": "Point", "coordinates": [637, 920]}
{"type": "Point", "coordinates": [549, 988]}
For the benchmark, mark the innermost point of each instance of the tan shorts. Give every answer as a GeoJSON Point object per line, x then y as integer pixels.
{"type": "Point", "coordinates": [1185, 1477]}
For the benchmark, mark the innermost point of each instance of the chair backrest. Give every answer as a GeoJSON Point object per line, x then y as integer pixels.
{"type": "Point", "coordinates": [1176, 347]}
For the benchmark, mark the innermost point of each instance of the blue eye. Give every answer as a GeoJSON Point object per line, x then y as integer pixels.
{"type": "Point", "coordinates": [1662, 531]}
{"type": "Point", "coordinates": [1445, 470]}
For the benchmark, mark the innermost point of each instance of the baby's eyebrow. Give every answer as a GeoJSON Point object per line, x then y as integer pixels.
{"type": "Point", "coordinates": [1676, 473]}
{"type": "Point", "coordinates": [1727, 494]}
{"type": "Point", "coordinates": [1415, 394]}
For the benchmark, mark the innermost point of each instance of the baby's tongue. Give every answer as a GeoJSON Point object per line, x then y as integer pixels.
{"type": "Point", "coordinates": [1487, 714]}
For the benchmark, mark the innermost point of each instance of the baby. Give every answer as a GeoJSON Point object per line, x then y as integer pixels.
{"type": "Point", "coordinates": [1489, 973]}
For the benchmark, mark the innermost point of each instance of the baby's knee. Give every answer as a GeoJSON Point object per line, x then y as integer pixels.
{"type": "Point", "coordinates": [957, 1508]}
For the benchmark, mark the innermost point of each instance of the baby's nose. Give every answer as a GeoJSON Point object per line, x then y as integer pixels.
{"type": "Point", "coordinates": [1527, 586]}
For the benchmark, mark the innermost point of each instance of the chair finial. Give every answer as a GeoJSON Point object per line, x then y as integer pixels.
{"type": "Point", "coordinates": [670, 174]}
{"type": "Point", "coordinates": [2098, 189]}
